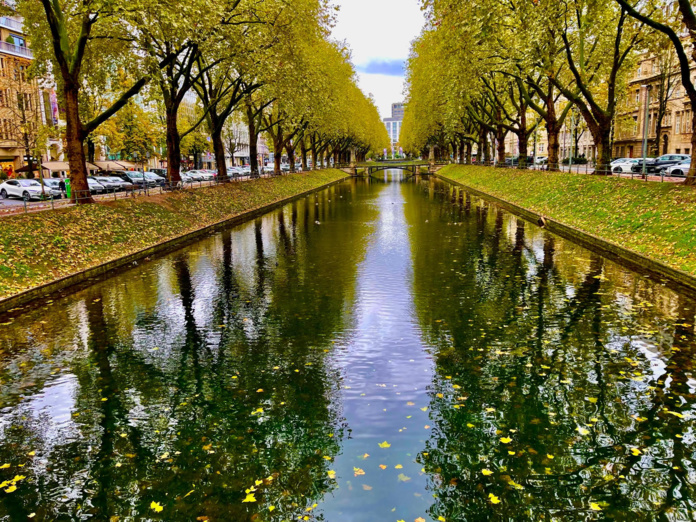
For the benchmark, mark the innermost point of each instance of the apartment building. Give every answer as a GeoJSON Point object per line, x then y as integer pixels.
{"type": "Point", "coordinates": [657, 77]}
{"type": "Point", "coordinates": [26, 107]}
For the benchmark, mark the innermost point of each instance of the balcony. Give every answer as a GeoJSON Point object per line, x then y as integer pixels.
{"type": "Point", "coordinates": [16, 50]}
{"type": "Point", "coordinates": [11, 23]}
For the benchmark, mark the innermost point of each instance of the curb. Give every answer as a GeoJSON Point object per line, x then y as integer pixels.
{"type": "Point", "coordinates": [674, 278]}
{"type": "Point", "coordinates": [92, 275]}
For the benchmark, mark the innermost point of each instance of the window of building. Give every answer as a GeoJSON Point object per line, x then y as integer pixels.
{"type": "Point", "coordinates": [637, 97]}
{"type": "Point", "coordinates": [635, 125]}
{"type": "Point", "coordinates": [677, 127]}
{"type": "Point", "coordinates": [677, 151]}
{"type": "Point", "coordinates": [687, 150]}
{"type": "Point", "coordinates": [640, 71]}
{"type": "Point", "coordinates": [18, 40]}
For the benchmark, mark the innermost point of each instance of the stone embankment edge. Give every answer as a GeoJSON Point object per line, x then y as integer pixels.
{"type": "Point", "coordinates": [674, 278]}
{"type": "Point", "coordinates": [95, 273]}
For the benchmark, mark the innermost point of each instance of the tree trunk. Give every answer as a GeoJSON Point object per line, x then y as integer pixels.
{"type": "Point", "coordinates": [291, 158]}
{"type": "Point", "coordinates": [469, 147]}
{"type": "Point", "coordinates": [303, 153]}
{"type": "Point", "coordinates": [277, 156]}
{"type": "Point", "coordinates": [313, 145]}
{"type": "Point", "coordinates": [173, 145]}
{"type": "Point", "coordinates": [253, 145]}
{"type": "Point", "coordinates": [220, 156]}
{"type": "Point", "coordinates": [500, 138]}
{"type": "Point", "coordinates": [76, 150]}
{"type": "Point", "coordinates": [553, 132]}
{"type": "Point", "coordinates": [486, 148]}
{"type": "Point", "coordinates": [602, 137]}
{"type": "Point", "coordinates": [523, 139]}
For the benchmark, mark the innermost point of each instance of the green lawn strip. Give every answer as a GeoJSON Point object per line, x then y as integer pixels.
{"type": "Point", "coordinates": [44, 246]}
{"type": "Point", "coordinates": [657, 220]}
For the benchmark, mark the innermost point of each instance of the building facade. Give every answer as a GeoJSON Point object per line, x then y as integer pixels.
{"type": "Point", "coordinates": [659, 79]}
{"type": "Point", "coordinates": [28, 109]}
{"type": "Point", "coordinates": [393, 125]}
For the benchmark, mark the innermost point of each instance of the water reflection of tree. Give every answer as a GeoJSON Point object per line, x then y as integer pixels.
{"type": "Point", "coordinates": [196, 413]}
{"type": "Point", "coordinates": [523, 352]}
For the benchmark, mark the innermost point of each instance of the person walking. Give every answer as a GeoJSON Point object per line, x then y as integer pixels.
{"type": "Point", "coordinates": [61, 186]}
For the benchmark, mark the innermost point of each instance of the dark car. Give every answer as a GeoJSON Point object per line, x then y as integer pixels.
{"type": "Point", "coordinates": [515, 161]}
{"type": "Point", "coordinates": [655, 165]}
{"type": "Point", "coordinates": [133, 177]}
{"type": "Point", "coordinates": [160, 172]}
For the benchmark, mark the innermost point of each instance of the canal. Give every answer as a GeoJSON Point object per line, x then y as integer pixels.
{"type": "Point", "coordinates": [382, 350]}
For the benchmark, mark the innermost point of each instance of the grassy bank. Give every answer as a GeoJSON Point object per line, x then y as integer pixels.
{"type": "Point", "coordinates": [657, 220]}
{"type": "Point", "coordinates": [39, 248]}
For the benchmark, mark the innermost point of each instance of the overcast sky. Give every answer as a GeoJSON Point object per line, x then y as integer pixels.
{"type": "Point", "coordinates": [379, 32]}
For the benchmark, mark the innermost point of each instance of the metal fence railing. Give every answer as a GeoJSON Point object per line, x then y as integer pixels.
{"type": "Point", "coordinates": [623, 171]}
{"type": "Point", "coordinates": [50, 201]}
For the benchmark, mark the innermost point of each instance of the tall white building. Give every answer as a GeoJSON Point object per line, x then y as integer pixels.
{"type": "Point", "coordinates": [393, 125]}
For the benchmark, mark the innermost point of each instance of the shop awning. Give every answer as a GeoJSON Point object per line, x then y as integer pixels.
{"type": "Point", "coordinates": [34, 168]}
{"type": "Point", "coordinates": [115, 165]}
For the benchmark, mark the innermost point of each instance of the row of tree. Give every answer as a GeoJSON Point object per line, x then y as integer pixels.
{"type": "Point", "coordinates": [270, 60]}
{"type": "Point", "coordinates": [483, 69]}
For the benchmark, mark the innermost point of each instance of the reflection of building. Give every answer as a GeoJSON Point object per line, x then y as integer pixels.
{"type": "Point", "coordinates": [25, 106]}
{"type": "Point", "coordinates": [393, 124]}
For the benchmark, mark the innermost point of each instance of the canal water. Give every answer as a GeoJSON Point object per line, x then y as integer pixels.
{"type": "Point", "coordinates": [383, 350]}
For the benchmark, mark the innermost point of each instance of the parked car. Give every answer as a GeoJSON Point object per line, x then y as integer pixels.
{"type": "Point", "coordinates": [53, 185]}
{"type": "Point", "coordinates": [154, 178]}
{"type": "Point", "coordinates": [185, 178]}
{"type": "Point", "coordinates": [94, 186]}
{"type": "Point", "coordinates": [679, 170]}
{"type": "Point", "coordinates": [285, 167]}
{"type": "Point", "coordinates": [21, 188]}
{"type": "Point", "coordinates": [624, 164]}
{"type": "Point", "coordinates": [515, 161]}
{"type": "Point", "coordinates": [109, 186]}
{"type": "Point", "coordinates": [160, 172]}
{"type": "Point", "coordinates": [133, 177]}
{"type": "Point", "coordinates": [246, 170]}
{"type": "Point", "coordinates": [196, 175]}
{"type": "Point", "coordinates": [541, 160]}
{"type": "Point", "coordinates": [113, 183]}
{"type": "Point", "coordinates": [653, 165]}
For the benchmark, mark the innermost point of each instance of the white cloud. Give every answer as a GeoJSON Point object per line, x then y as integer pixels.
{"type": "Point", "coordinates": [379, 30]}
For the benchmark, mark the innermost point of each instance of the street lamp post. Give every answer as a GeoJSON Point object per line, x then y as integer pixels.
{"type": "Point", "coordinates": [645, 129]}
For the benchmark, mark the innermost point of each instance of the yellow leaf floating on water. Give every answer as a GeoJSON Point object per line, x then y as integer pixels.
{"type": "Point", "coordinates": [420, 519]}
{"type": "Point", "coordinates": [493, 499]}
{"type": "Point", "coordinates": [331, 473]}
{"type": "Point", "coordinates": [11, 489]}
{"type": "Point", "coordinates": [487, 472]}
{"type": "Point", "coordinates": [271, 508]}
{"type": "Point", "coordinates": [595, 507]}
{"type": "Point", "coordinates": [424, 408]}
{"type": "Point", "coordinates": [506, 440]}
{"type": "Point", "coordinates": [156, 506]}
{"type": "Point", "coordinates": [403, 478]}
{"type": "Point", "coordinates": [398, 466]}
{"type": "Point", "coordinates": [583, 431]}
{"type": "Point", "coordinates": [250, 498]}
{"type": "Point", "coordinates": [635, 451]}
{"type": "Point", "coordinates": [358, 471]}
{"type": "Point", "coordinates": [366, 487]}
{"type": "Point", "coordinates": [441, 519]}
{"type": "Point", "coordinates": [384, 444]}
{"type": "Point", "coordinates": [383, 466]}
{"type": "Point", "coordinates": [548, 455]}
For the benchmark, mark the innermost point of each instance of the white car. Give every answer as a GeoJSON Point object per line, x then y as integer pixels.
{"type": "Point", "coordinates": [195, 175]}
{"type": "Point", "coordinates": [22, 188]}
{"type": "Point", "coordinates": [624, 164]}
{"type": "Point", "coordinates": [680, 170]}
